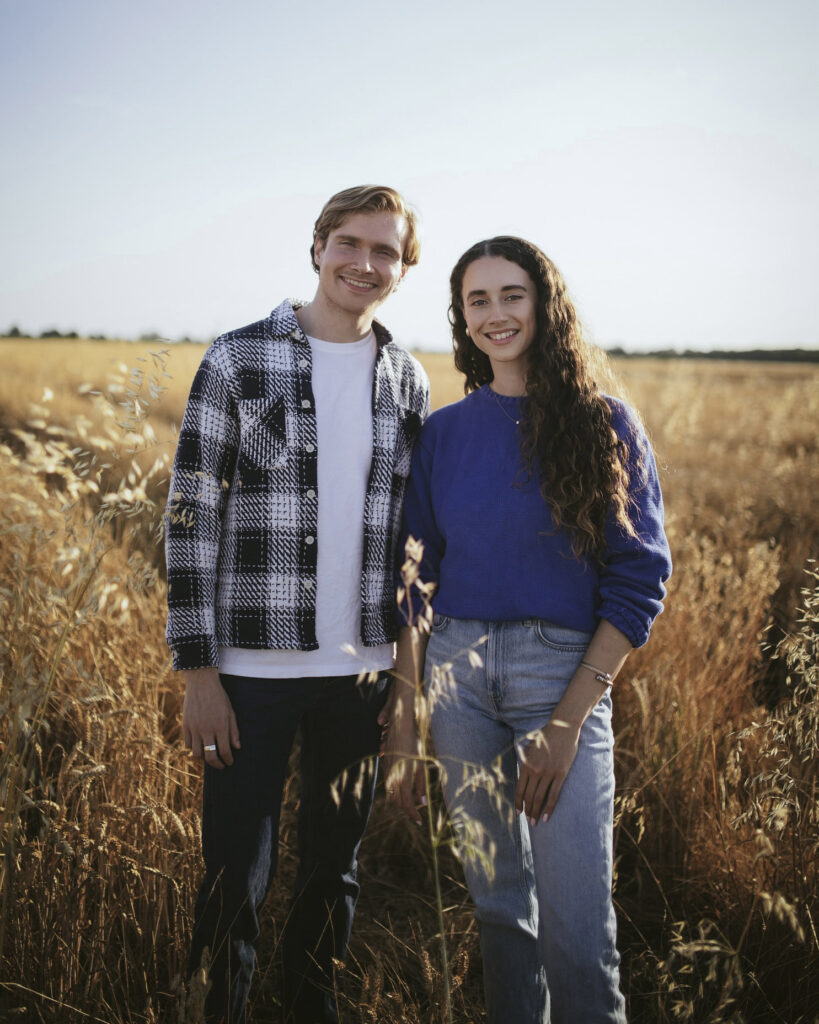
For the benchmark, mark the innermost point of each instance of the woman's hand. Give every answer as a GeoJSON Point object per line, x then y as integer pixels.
{"type": "Point", "coordinates": [401, 753]}
{"type": "Point", "coordinates": [548, 757]}
{"type": "Point", "coordinates": [545, 764]}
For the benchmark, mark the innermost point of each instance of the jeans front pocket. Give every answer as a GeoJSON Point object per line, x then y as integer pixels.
{"type": "Point", "coordinates": [439, 622]}
{"type": "Point", "coordinates": [561, 638]}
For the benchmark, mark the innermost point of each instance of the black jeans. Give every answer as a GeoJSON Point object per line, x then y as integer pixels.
{"type": "Point", "coordinates": [240, 825]}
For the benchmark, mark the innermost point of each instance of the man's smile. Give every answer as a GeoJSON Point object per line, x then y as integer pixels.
{"type": "Point", "coordinates": [353, 282]}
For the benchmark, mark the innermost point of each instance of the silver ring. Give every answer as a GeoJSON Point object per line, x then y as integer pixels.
{"type": "Point", "coordinates": [210, 746]}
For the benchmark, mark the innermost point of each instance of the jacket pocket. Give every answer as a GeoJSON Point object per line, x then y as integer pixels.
{"type": "Point", "coordinates": [263, 426]}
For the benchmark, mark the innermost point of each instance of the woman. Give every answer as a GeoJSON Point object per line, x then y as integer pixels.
{"type": "Point", "coordinates": [537, 502]}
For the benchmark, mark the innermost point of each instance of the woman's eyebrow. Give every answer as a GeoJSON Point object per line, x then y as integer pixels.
{"type": "Point", "coordinates": [505, 288]}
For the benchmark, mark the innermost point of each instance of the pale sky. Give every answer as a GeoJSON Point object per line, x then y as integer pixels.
{"type": "Point", "coordinates": [164, 161]}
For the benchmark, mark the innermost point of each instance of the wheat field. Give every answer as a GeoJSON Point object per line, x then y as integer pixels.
{"type": "Point", "coordinates": [717, 719]}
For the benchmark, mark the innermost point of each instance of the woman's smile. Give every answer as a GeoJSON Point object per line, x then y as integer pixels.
{"type": "Point", "coordinates": [500, 337]}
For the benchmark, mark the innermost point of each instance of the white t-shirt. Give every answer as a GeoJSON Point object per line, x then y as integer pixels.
{"type": "Point", "coordinates": [343, 387]}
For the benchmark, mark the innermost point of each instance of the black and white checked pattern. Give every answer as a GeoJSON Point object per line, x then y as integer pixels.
{"type": "Point", "coordinates": [241, 537]}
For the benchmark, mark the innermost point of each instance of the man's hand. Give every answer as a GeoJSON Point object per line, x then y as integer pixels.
{"type": "Point", "coordinates": [401, 754]}
{"type": "Point", "coordinates": [208, 719]}
{"type": "Point", "coordinates": [545, 764]}
{"type": "Point", "coordinates": [385, 715]}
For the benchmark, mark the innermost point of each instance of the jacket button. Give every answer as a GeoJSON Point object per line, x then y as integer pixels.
{"type": "Point", "coordinates": [310, 540]}
{"type": "Point", "coordinates": [309, 447]}
{"type": "Point", "coordinates": [305, 403]}
{"type": "Point", "coordinates": [311, 493]}
{"type": "Point", "coordinates": [303, 364]}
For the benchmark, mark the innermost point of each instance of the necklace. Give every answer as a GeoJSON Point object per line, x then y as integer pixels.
{"type": "Point", "coordinates": [503, 410]}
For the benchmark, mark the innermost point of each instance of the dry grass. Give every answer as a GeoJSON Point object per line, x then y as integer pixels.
{"type": "Point", "coordinates": [717, 725]}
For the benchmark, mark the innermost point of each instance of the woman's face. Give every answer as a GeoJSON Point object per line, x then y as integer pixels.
{"type": "Point", "coordinates": [499, 303]}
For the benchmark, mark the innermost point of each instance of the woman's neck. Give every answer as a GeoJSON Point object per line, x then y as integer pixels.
{"type": "Point", "coordinates": [508, 380]}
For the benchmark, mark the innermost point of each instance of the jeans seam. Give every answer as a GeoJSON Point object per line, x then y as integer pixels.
{"type": "Point", "coordinates": [523, 876]}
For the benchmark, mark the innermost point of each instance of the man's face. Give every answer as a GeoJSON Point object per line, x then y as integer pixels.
{"type": "Point", "coordinates": [360, 261]}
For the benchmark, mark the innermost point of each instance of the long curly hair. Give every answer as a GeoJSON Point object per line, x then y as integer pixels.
{"type": "Point", "coordinates": [567, 438]}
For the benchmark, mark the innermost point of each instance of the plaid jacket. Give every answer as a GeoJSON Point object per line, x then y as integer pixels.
{"type": "Point", "coordinates": [241, 524]}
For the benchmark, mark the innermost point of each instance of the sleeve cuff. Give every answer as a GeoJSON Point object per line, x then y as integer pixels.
{"type": "Point", "coordinates": [195, 652]}
{"type": "Point", "coordinates": [629, 624]}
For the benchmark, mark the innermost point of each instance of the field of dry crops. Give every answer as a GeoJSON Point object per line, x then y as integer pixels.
{"type": "Point", "coordinates": [717, 720]}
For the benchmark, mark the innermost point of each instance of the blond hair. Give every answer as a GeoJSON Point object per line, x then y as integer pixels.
{"type": "Point", "coordinates": [367, 199]}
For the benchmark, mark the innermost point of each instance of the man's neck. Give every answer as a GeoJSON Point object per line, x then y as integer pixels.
{"type": "Point", "coordinates": [321, 320]}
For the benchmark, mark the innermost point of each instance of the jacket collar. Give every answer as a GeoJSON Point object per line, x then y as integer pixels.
{"type": "Point", "coordinates": [283, 324]}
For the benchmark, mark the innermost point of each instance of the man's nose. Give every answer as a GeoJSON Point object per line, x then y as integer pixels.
{"type": "Point", "coordinates": [363, 260]}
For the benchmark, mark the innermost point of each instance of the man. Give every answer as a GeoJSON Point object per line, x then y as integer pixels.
{"type": "Point", "coordinates": [283, 519]}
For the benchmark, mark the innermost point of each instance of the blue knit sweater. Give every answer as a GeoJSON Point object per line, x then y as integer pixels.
{"type": "Point", "coordinates": [490, 542]}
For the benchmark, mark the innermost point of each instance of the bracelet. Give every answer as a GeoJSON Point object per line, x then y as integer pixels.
{"type": "Point", "coordinates": [606, 678]}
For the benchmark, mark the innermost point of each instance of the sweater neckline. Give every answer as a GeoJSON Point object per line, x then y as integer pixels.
{"type": "Point", "coordinates": [510, 402]}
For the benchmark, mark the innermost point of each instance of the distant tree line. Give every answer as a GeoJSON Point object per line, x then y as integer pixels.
{"type": "Point", "coordinates": [760, 355]}
{"type": "Point", "coordinates": [15, 332]}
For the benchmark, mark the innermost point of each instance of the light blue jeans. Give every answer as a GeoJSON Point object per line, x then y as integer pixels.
{"type": "Point", "coordinates": [542, 894]}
